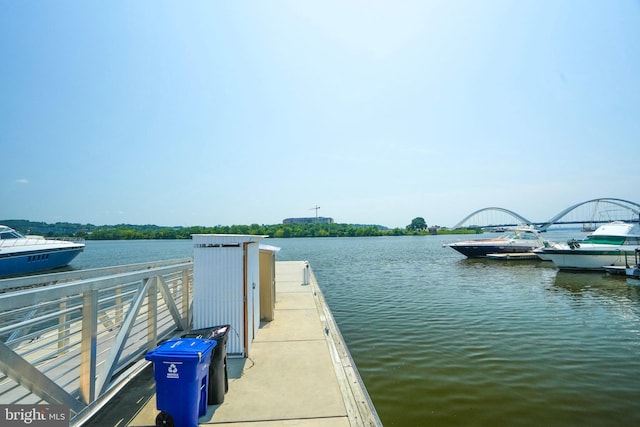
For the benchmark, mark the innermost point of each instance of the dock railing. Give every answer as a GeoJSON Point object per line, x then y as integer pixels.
{"type": "Point", "coordinates": [73, 338]}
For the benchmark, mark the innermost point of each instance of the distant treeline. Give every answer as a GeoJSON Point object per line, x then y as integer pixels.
{"type": "Point", "coordinates": [136, 232]}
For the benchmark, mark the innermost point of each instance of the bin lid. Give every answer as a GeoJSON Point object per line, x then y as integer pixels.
{"type": "Point", "coordinates": [213, 333]}
{"type": "Point", "coordinates": [183, 349]}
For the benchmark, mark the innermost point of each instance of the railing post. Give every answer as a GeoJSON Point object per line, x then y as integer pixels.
{"type": "Point", "coordinates": [152, 313]}
{"type": "Point", "coordinates": [88, 346]}
{"type": "Point", "coordinates": [64, 329]}
{"type": "Point", "coordinates": [185, 295]}
{"type": "Point", "coordinates": [118, 302]}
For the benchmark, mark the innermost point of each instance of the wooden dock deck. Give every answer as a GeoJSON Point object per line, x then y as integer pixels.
{"type": "Point", "coordinates": [299, 372]}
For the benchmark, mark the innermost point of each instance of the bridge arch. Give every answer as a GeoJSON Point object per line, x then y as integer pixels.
{"type": "Point", "coordinates": [519, 217]}
{"type": "Point", "coordinates": [632, 206]}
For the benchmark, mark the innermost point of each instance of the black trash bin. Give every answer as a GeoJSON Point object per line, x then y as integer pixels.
{"type": "Point", "coordinates": [218, 377]}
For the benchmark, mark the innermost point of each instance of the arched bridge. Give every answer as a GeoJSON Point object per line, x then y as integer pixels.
{"type": "Point", "coordinates": [589, 213]}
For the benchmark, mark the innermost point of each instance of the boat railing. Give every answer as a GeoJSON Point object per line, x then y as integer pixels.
{"type": "Point", "coordinates": [76, 341]}
{"type": "Point", "coordinates": [38, 240]}
{"type": "Point", "coordinates": [67, 239]}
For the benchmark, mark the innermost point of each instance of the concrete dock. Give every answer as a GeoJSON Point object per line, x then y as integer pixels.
{"type": "Point", "coordinates": [299, 372]}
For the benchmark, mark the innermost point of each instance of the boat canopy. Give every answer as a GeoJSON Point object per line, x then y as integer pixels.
{"type": "Point", "coordinates": [605, 240]}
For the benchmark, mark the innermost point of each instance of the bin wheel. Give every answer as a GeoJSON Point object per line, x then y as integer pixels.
{"type": "Point", "coordinates": [163, 419]}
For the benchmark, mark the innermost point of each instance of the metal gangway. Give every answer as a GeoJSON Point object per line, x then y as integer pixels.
{"type": "Point", "coordinates": [76, 338]}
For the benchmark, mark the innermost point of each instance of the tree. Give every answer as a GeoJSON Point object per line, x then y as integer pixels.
{"type": "Point", "coordinates": [417, 224]}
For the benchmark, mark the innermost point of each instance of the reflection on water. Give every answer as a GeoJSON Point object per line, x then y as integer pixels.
{"type": "Point", "coordinates": [603, 285]}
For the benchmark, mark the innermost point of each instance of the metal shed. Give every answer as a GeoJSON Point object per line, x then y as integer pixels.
{"type": "Point", "coordinates": [226, 286]}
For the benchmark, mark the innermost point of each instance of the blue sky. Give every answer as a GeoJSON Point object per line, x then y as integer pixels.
{"type": "Point", "coordinates": [241, 112]}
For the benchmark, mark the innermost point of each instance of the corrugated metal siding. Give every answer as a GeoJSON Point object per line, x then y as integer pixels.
{"type": "Point", "coordinates": [218, 286]}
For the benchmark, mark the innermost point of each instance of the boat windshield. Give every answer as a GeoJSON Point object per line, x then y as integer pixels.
{"type": "Point", "coordinates": [10, 234]}
{"type": "Point", "coordinates": [522, 235]}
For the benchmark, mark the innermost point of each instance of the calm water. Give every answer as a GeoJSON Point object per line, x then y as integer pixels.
{"type": "Point", "coordinates": [444, 341]}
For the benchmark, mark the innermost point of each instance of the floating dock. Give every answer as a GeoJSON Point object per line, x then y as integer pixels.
{"type": "Point", "coordinates": [515, 256]}
{"type": "Point", "coordinates": [299, 372]}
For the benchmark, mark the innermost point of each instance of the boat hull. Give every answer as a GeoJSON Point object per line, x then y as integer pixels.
{"type": "Point", "coordinates": [568, 259]}
{"type": "Point", "coordinates": [481, 251]}
{"type": "Point", "coordinates": [36, 261]}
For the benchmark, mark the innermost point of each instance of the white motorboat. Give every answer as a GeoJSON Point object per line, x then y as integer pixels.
{"type": "Point", "coordinates": [517, 240]}
{"type": "Point", "coordinates": [607, 246]}
{"type": "Point", "coordinates": [29, 254]}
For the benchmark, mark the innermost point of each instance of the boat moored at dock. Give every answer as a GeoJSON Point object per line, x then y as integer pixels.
{"type": "Point", "coordinates": [607, 246]}
{"type": "Point", "coordinates": [30, 254]}
{"type": "Point", "coordinates": [517, 240]}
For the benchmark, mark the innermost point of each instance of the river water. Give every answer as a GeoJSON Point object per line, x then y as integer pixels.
{"type": "Point", "coordinates": [441, 340]}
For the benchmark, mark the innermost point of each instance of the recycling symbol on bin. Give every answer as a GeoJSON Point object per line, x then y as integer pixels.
{"type": "Point", "coordinates": [172, 371]}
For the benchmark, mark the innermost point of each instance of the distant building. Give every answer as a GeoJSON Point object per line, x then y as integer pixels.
{"type": "Point", "coordinates": [311, 220]}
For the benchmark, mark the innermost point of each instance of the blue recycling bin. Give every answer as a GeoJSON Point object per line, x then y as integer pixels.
{"type": "Point", "coordinates": [181, 372]}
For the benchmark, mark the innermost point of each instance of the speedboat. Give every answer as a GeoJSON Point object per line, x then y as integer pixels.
{"type": "Point", "coordinates": [29, 254]}
{"type": "Point", "coordinates": [607, 246]}
{"type": "Point", "coordinates": [517, 240]}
